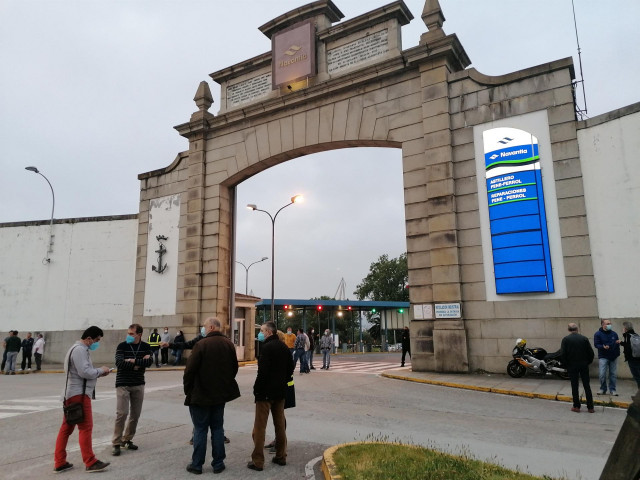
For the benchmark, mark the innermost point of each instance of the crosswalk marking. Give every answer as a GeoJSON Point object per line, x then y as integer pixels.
{"type": "Point", "coordinates": [24, 406]}
{"type": "Point", "coordinates": [371, 368]}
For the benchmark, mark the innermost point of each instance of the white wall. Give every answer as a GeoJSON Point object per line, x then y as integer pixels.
{"type": "Point", "coordinates": [609, 151]}
{"type": "Point", "coordinates": [90, 280]}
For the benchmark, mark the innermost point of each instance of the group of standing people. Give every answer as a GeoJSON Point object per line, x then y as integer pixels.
{"type": "Point", "coordinates": [30, 347]}
{"type": "Point", "coordinates": [577, 355]}
{"type": "Point", "coordinates": [208, 383]}
{"type": "Point", "coordinates": [302, 345]}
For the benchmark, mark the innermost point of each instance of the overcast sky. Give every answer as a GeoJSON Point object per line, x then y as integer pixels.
{"type": "Point", "coordinates": [90, 91]}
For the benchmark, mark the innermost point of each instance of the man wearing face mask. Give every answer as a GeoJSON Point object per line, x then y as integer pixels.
{"type": "Point", "coordinates": [165, 338]}
{"type": "Point", "coordinates": [326, 347]}
{"type": "Point", "coordinates": [275, 368]}
{"type": "Point", "coordinates": [133, 356]}
{"type": "Point", "coordinates": [80, 388]}
{"type": "Point", "coordinates": [608, 345]}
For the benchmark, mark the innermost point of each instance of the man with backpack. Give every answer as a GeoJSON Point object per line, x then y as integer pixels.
{"type": "Point", "coordinates": [631, 345]}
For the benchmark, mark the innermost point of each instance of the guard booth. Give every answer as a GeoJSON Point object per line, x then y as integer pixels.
{"type": "Point", "coordinates": [307, 313]}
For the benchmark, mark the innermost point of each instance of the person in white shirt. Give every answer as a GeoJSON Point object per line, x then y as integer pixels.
{"type": "Point", "coordinates": [38, 351]}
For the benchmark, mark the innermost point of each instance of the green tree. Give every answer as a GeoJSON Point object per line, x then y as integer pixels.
{"type": "Point", "coordinates": [387, 281]}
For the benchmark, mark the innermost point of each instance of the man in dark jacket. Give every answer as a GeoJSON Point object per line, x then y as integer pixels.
{"type": "Point", "coordinates": [209, 383]}
{"type": "Point", "coordinates": [27, 348]}
{"type": "Point", "coordinates": [608, 345]}
{"type": "Point", "coordinates": [577, 355]}
{"type": "Point", "coordinates": [633, 362]}
{"type": "Point", "coordinates": [275, 368]}
{"type": "Point", "coordinates": [406, 345]}
{"type": "Point", "coordinates": [133, 357]}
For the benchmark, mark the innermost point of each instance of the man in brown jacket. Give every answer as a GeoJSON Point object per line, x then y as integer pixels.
{"type": "Point", "coordinates": [209, 382]}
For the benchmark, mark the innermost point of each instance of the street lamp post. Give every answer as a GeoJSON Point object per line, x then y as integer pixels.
{"type": "Point", "coordinates": [251, 206]}
{"type": "Point", "coordinates": [47, 260]}
{"type": "Point", "coordinates": [246, 269]}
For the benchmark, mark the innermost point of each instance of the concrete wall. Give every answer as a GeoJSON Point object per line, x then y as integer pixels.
{"type": "Point", "coordinates": [89, 280]}
{"type": "Point", "coordinates": [609, 146]}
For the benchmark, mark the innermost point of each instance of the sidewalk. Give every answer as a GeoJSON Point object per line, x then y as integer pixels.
{"type": "Point", "coordinates": [543, 387]}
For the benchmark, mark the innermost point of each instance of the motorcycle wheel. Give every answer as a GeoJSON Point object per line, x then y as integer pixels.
{"type": "Point", "coordinates": [515, 370]}
{"type": "Point", "coordinates": [563, 375]}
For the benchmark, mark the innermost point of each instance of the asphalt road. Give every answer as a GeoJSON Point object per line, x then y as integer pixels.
{"type": "Point", "coordinates": [350, 402]}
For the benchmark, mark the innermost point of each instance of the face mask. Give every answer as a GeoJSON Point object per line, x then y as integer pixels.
{"type": "Point", "coordinates": [608, 327]}
{"type": "Point", "coordinates": [166, 331]}
{"type": "Point", "coordinates": [327, 332]}
{"type": "Point", "coordinates": [288, 332]}
{"type": "Point", "coordinates": [203, 332]}
{"type": "Point", "coordinates": [130, 339]}
{"type": "Point", "coordinates": [261, 337]}
{"type": "Point", "coordinates": [94, 346]}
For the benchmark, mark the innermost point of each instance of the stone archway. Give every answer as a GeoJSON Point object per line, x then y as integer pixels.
{"type": "Point", "coordinates": [365, 90]}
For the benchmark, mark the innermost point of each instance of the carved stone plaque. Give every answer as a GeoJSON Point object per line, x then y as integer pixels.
{"type": "Point", "coordinates": [248, 90]}
{"type": "Point", "coordinates": [358, 51]}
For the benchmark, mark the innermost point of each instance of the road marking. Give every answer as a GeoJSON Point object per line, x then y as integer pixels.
{"type": "Point", "coordinates": [308, 468]}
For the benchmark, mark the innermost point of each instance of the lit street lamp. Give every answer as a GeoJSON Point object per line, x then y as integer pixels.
{"type": "Point", "coordinates": [251, 206]}
{"type": "Point", "coordinates": [53, 206]}
{"type": "Point", "coordinates": [246, 284]}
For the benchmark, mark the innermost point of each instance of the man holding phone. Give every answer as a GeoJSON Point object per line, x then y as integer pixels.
{"type": "Point", "coordinates": [133, 356]}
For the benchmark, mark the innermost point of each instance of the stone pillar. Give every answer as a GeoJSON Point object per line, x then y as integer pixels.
{"type": "Point", "coordinates": [441, 345]}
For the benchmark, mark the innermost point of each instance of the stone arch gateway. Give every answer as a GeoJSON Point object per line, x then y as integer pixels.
{"type": "Point", "coordinates": [330, 85]}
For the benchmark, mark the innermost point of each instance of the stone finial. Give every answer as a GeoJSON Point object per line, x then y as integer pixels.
{"type": "Point", "coordinates": [433, 18]}
{"type": "Point", "coordinates": [203, 97]}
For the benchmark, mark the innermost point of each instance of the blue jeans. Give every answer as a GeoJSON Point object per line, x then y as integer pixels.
{"type": "Point", "coordinates": [301, 354]}
{"type": "Point", "coordinates": [205, 418]}
{"type": "Point", "coordinates": [326, 357]}
{"type": "Point", "coordinates": [11, 362]}
{"type": "Point", "coordinates": [178, 354]}
{"type": "Point", "coordinates": [611, 365]}
{"type": "Point", "coordinates": [310, 358]}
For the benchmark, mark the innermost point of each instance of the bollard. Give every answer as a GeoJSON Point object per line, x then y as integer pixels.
{"type": "Point", "coordinates": [624, 460]}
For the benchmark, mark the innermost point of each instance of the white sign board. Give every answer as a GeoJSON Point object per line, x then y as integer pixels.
{"type": "Point", "coordinates": [448, 310]}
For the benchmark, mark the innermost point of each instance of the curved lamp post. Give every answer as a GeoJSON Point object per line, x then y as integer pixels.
{"type": "Point", "coordinates": [246, 269]}
{"type": "Point", "coordinates": [53, 206]}
{"type": "Point", "coordinates": [251, 206]}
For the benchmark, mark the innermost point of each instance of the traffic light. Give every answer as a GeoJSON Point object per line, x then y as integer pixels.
{"type": "Point", "coordinates": [286, 307]}
{"type": "Point", "coordinates": [373, 310]}
{"type": "Point", "coordinates": [401, 310]}
{"type": "Point", "coordinates": [319, 307]}
{"type": "Point", "coordinates": [348, 308]}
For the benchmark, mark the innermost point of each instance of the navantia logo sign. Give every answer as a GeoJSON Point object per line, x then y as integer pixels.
{"type": "Point", "coordinates": [518, 221]}
{"type": "Point", "coordinates": [293, 54]}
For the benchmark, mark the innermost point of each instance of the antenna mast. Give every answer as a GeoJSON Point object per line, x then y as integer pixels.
{"type": "Point", "coordinates": [341, 291]}
{"type": "Point", "coordinates": [579, 111]}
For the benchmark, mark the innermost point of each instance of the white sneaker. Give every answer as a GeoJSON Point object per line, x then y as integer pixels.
{"type": "Point", "coordinates": [19, 369]}
{"type": "Point", "coordinates": [28, 369]}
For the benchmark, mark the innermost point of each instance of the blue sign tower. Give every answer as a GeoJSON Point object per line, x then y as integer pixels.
{"type": "Point", "coordinates": [518, 221]}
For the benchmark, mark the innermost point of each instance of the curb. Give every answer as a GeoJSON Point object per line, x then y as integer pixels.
{"type": "Point", "coordinates": [501, 391]}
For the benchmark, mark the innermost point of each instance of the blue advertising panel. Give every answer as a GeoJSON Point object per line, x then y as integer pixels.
{"type": "Point", "coordinates": [518, 222]}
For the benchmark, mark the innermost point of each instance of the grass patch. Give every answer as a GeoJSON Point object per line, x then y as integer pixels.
{"type": "Point", "coordinates": [384, 461]}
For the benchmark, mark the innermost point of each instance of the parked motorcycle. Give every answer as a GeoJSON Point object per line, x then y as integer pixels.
{"type": "Point", "coordinates": [535, 360]}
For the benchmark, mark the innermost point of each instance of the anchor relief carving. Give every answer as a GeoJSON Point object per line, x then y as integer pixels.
{"type": "Point", "coordinates": [161, 251]}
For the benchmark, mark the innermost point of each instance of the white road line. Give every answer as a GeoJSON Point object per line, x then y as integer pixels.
{"type": "Point", "coordinates": [308, 468]}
